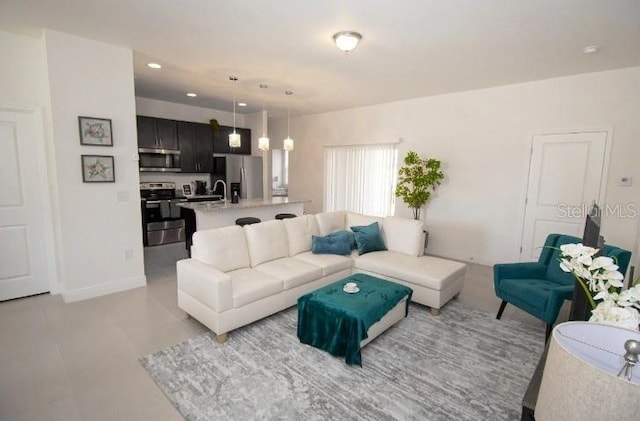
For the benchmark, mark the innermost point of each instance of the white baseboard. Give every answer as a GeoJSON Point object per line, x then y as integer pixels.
{"type": "Point", "coordinates": [481, 260]}
{"type": "Point", "coordinates": [104, 289]}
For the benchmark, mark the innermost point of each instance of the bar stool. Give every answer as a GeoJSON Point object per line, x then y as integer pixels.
{"type": "Point", "coordinates": [247, 221]}
{"type": "Point", "coordinates": [285, 215]}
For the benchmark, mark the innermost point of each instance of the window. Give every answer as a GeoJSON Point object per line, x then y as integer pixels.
{"type": "Point", "coordinates": [360, 179]}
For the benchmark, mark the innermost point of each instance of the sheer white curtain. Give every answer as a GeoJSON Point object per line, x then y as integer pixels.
{"type": "Point", "coordinates": [360, 178]}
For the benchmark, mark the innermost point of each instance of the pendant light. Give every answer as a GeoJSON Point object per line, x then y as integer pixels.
{"type": "Point", "coordinates": [263, 142]}
{"type": "Point", "coordinates": [288, 142]}
{"type": "Point", "coordinates": [234, 138]}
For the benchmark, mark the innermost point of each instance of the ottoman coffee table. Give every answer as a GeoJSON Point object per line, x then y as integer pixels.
{"type": "Point", "coordinates": [341, 322]}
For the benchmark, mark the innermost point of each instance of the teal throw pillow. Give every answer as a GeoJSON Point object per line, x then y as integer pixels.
{"type": "Point", "coordinates": [368, 238]}
{"type": "Point", "coordinates": [350, 237]}
{"type": "Point", "coordinates": [330, 245]}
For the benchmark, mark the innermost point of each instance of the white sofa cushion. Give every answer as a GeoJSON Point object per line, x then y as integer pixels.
{"type": "Point", "coordinates": [404, 236]}
{"type": "Point", "coordinates": [251, 285]}
{"type": "Point", "coordinates": [329, 263]}
{"type": "Point", "coordinates": [266, 241]}
{"type": "Point", "coordinates": [292, 272]}
{"type": "Point", "coordinates": [329, 222]}
{"type": "Point", "coordinates": [299, 232]}
{"type": "Point", "coordinates": [431, 272]}
{"type": "Point", "coordinates": [223, 248]}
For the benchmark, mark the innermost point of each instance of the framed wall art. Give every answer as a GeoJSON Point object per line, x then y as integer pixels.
{"type": "Point", "coordinates": [95, 131]}
{"type": "Point", "coordinates": [98, 169]}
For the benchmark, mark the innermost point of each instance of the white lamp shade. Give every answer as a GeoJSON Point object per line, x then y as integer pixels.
{"type": "Point", "coordinates": [263, 143]}
{"type": "Point", "coordinates": [234, 140]}
{"type": "Point", "coordinates": [288, 144]}
{"type": "Point", "coordinates": [580, 380]}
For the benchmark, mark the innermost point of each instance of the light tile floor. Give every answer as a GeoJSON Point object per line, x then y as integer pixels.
{"type": "Point", "coordinates": [79, 361]}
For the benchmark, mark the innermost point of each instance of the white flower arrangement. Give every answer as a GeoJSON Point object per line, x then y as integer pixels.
{"type": "Point", "coordinates": [603, 281]}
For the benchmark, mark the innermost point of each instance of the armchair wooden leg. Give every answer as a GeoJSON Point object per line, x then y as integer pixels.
{"type": "Point", "coordinates": [501, 310]}
{"type": "Point", "coordinates": [435, 311]}
{"type": "Point", "coordinates": [222, 338]}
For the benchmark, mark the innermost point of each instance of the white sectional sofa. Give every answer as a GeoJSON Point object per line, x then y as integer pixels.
{"type": "Point", "coordinates": [237, 275]}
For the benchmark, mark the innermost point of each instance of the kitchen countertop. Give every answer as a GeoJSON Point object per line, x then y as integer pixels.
{"type": "Point", "coordinates": [218, 206]}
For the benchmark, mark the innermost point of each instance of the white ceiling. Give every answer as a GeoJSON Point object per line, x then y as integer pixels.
{"type": "Point", "coordinates": [409, 49]}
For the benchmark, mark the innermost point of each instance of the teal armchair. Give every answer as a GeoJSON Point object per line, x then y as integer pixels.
{"type": "Point", "coordinates": [540, 288]}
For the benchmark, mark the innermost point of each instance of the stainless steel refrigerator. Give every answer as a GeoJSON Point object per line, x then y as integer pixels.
{"type": "Point", "coordinates": [245, 171]}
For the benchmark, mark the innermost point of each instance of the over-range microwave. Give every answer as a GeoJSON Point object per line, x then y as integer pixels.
{"type": "Point", "coordinates": [159, 160]}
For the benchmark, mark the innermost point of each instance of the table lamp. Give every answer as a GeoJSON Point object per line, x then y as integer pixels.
{"type": "Point", "coordinates": [589, 374]}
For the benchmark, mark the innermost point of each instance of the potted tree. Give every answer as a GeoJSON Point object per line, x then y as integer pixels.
{"type": "Point", "coordinates": [417, 179]}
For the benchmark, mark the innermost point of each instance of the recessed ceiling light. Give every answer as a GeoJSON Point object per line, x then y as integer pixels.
{"type": "Point", "coordinates": [592, 49]}
{"type": "Point", "coordinates": [191, 94]}
{"type": "Point", "coordinates": [154, 65]}
{"type": "Point", "coordinates": [242, 104]}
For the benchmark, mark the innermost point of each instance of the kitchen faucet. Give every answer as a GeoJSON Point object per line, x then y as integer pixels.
{"type": "Point", "coordinates": [224, 195]}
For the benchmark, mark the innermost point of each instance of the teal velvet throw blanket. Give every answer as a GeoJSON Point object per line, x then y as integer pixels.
{"type": "Point", "coordinates": [336, 321]}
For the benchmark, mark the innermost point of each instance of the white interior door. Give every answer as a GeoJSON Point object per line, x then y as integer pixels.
{"type": "Point", "coordinates": [24, 230]}
{"type": "Point", "coordinates": [565, 178]}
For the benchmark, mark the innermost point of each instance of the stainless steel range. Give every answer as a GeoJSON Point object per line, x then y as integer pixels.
{"type": "Point", "coordinates": [162, 222]}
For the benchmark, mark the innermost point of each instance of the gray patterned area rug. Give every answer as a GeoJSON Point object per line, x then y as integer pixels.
{"type": "Point", "coordinates": [461, 365]}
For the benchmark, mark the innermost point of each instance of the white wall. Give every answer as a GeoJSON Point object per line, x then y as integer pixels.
{"type": "Point", "coordinates": [171, 110]}
{"type": "Point", "coordinates": [97, 223]}
{"type": "Point", "coordinates": [483, 138]}
{"type": "Point", "coordinates": [22, 74]}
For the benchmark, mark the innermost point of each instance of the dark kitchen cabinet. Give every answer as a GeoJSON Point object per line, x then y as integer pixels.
{"type": "Point", "coordinates": [157, 133]}
{"type": "Point", "coordinates": [221, 142]}
{"type": "Point", "coordinates": [196, 147]}
{"type": "Point", "coordinates": [146, 132]}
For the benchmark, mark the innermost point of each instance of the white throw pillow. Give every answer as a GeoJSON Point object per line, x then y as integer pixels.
{"type": "Point", "coordinates": [404, 236]}
{"type": "Point", "coordinates": [223, 248]}
{"type": "Point", "coordinates": [329, 222]}
{"type": "Point", "coordinates": [266, 241]}
{"type": "Point", "coordinates": [299, 232]}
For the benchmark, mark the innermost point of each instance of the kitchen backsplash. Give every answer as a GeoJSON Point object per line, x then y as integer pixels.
{"type": "Point", "coordinates": [177, 178]}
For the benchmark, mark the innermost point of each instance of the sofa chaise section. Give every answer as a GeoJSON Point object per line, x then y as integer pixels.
{"type": "Point", "coordinates": [434, 281]}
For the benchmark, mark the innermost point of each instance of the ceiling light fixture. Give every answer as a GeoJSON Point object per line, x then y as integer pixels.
{"type": "Point", "coordinates": [288, 142]}
{"type": "Point", "coordinates": [263, 142]}
{"type": "Point", "coordinates": [592, 49]}
{"type": "Point", "coordinates": [154, 65]}
{"type": "Point", "coordinates": [234, 138]}
{"type": "Point", "coordinates": [191, 94]}
{"type": "Point", "coordinates": [346, 40]}
{"type": "Point", "coordinates": [242, 104]}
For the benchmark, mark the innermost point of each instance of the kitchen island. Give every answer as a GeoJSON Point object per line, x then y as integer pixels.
{"type": "Point", "coordinates": [215, 214]}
